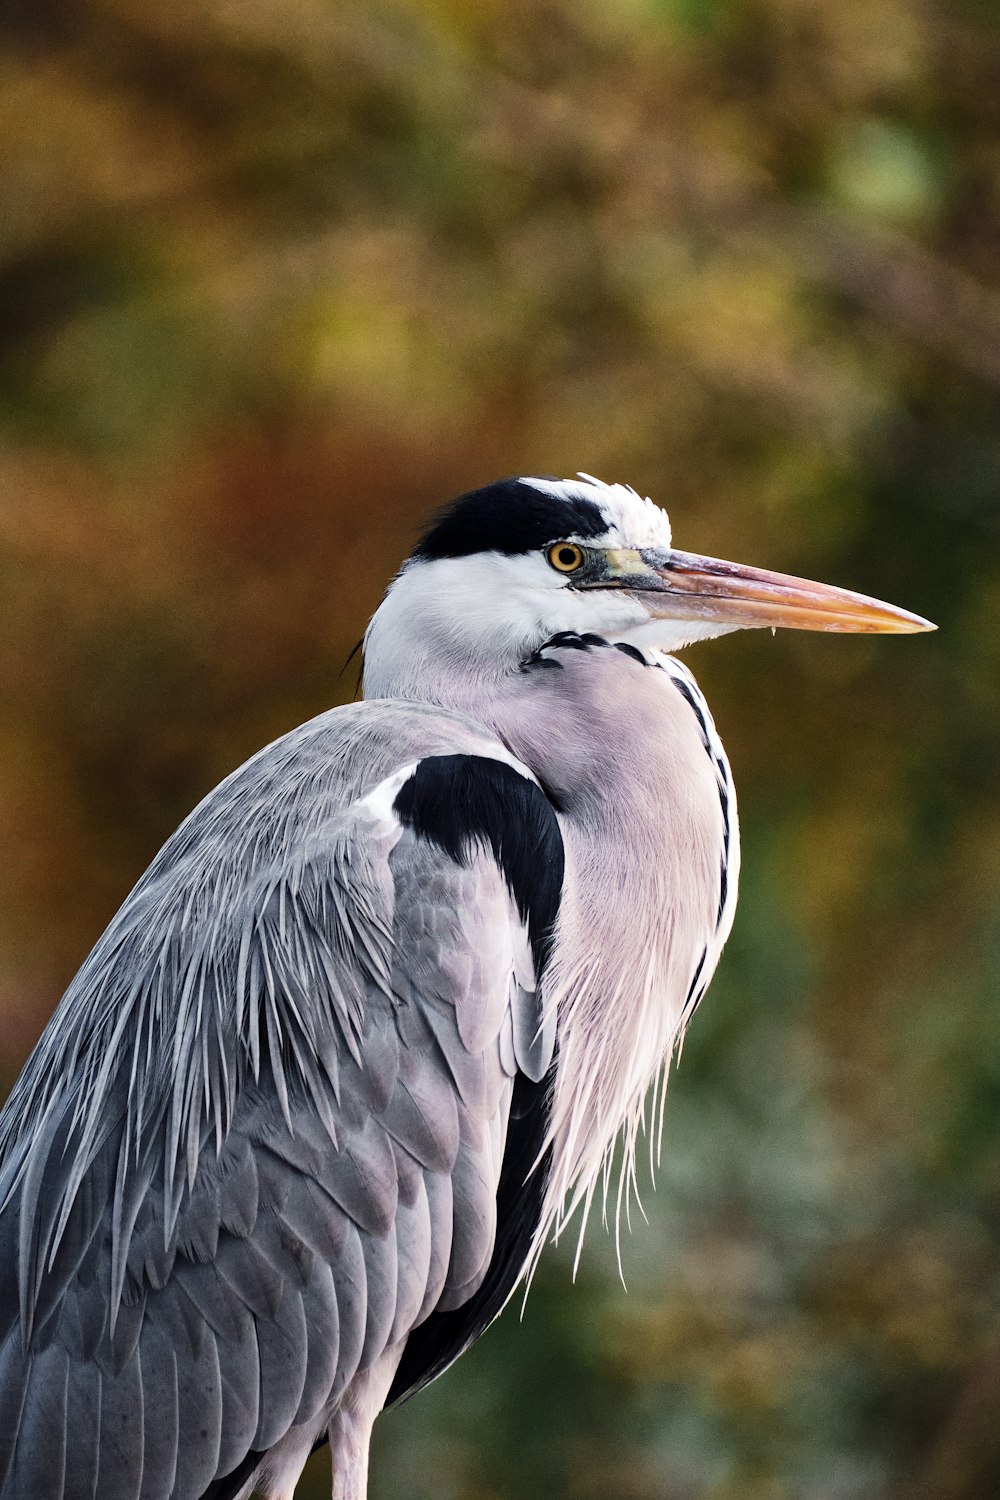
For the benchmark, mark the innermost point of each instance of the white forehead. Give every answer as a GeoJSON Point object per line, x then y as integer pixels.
{"type": "Point", "coordinates": [632, 520]}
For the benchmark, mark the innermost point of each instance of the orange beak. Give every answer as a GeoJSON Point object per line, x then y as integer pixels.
{"type": "Point", "coordinates": [682, 585]}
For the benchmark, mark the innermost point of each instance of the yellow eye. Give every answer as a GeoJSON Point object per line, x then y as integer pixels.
{"type": "Point", "coordinates": [565, 557]}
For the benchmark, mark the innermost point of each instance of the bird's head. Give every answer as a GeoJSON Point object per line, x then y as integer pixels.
{"type": "Point", "coordinates": [505, 568]}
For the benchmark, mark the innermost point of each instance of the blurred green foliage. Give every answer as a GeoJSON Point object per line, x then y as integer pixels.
{"type": "Point", "coordinates": [279, 276]}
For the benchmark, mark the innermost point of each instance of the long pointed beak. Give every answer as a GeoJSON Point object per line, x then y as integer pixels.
{"type": "Point", "coordinates": [682, 585]}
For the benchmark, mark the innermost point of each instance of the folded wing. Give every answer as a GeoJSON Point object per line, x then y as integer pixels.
{"type": "Point", "coordinates": [291, 1116]}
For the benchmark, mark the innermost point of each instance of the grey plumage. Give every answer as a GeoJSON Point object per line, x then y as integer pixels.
{"type": "Point", "coordinates": [364, 1034]}
{"type": "Point", "coordinates": [202, 1167]}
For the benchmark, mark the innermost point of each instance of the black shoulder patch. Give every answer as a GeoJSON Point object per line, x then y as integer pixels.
{"type": "Point", "coordinates": [509, 516]}
{"type": "Point", "coordinates": [460, 801]}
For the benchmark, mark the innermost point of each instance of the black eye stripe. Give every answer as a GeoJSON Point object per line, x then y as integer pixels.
{"type": "Point", "coordinates": [510, 517]}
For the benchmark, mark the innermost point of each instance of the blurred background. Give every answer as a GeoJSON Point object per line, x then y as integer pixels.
{"type": "Point", "coordinates": [277, 277]}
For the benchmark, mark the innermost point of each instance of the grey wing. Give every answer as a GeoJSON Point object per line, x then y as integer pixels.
{"type": "Point", "coordinates": [287, 1157]}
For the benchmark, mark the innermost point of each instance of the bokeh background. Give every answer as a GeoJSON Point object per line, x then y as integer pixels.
{"type": "Point", "coordinates": [279, 276]}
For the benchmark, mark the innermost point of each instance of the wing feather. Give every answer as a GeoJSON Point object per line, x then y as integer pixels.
{"type": "Point", "coordinates": [316, 1219]}
{"type": "Point", "coordinates": [281, 1346]}
{"type": "Point", "coordinates": [83, 1421]}
{"type": "Point", "coordinates": [40, 1460]}
{"type": "Point", "coordinates": [211, 1299]}
{"type": "Point", "coordinates": [250, 1275]}
{"type": "Point", "coordinates": [413, 1266]}
{"type": "Point", "coordinates": [422, 1116]}
{"type": "Point", "coordinates": [199, 1420]}
{"type": "Point", "coordinates": [158, 1366]}
{"type": "Point", "coordinates": [381, 1270]}
{"type": "Point", "coordinates": [440, 1205]}
{"type": "Point", "coordinates": [474, 1214]}
{"type": "Point", "coordinates": [122, 1433]}
{"type": "Point", "coordinates": [239, 1373]}
{"type": "Point", "coordinates": [352, 1296]}
{"type": "Point", "coordinates": [319, 1301]}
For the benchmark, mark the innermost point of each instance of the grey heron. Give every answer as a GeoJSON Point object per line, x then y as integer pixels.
{"type": "Point", "coordinates": [363, 1037]}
